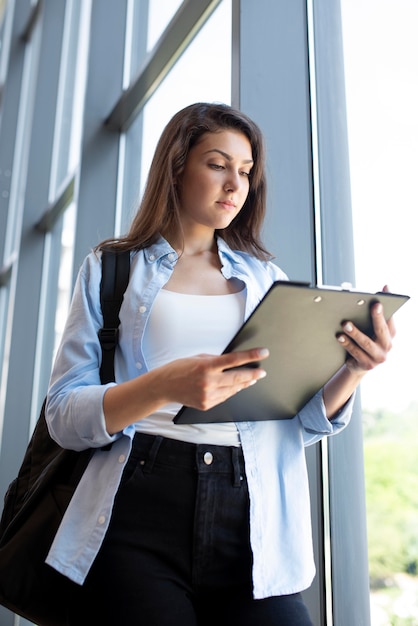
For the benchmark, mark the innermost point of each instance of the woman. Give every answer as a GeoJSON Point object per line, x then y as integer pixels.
{"type": "Point", "coordinates": [175, 524]}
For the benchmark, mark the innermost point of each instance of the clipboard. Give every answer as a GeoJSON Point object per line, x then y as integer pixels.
{"type": "Point", "coordinates": [298, 324]}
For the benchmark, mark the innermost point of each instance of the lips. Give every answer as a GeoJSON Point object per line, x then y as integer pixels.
{"type": "Point", "coordinates": [228, 204]}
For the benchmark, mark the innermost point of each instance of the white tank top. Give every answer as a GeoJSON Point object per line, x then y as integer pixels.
{"type": "Point", "coordinates": [182, 325]}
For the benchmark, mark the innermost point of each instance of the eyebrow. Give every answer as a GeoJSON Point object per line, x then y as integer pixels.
{"type": "Point", "coordinates": [226, 155]}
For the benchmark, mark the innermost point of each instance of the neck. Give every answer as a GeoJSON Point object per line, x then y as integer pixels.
{"type": "Point", "coordinates": [193, 245]}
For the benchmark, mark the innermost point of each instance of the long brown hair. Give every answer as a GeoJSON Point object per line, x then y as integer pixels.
{"type": "Point", "coordinates": [160, 209]}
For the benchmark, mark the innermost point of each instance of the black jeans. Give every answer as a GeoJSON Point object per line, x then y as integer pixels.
{"type": "Point", "coordinates": [177, 552]}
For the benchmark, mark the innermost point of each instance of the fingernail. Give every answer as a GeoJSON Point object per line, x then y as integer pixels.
{"type": "Point", "coordinates": [348, 327]}
{"type": "Point", "coordinates": [262, 374]}
{"type": "Point", "coordinates": [379, 308]}
{"type": "Point", "coordinates": [341, 338]}
{"type": "Point", "coordinates": [263, 352]}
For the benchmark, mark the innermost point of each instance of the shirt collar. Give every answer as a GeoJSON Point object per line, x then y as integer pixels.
{"type": "Point", "coordinates": [159, 249]}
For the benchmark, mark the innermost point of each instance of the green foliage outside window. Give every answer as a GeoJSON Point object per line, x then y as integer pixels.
{"type": "Point", "coordinates": [391, 467]}
{"type": "Point", "coordinates": [391, 470]}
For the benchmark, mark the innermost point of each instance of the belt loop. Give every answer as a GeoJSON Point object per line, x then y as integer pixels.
{"type": "Point", "coordinates": [152, 455]}
{"type": "Point", "coordinates": [236, 467]}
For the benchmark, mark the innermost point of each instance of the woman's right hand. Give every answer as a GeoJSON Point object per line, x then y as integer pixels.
{"type": "Point", "coordinates": [200, 382]}
{"type": "Point", "coordinates": [203, 381]}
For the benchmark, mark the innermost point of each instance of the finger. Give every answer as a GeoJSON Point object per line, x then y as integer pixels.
{"type": "Point", "coordinates": [367, 352]}
{"type": "Point", "coordinates": [241, 358]}
{"type": "Point", "coordinates": [390, 322]}
{"type": "Point", "coordinates": [237, 371]}
{"type": "Point", "coordinates": [243, 377]}
{"type": "Point", "coordinates": [384, 331]}
{"type": "Point", "coordinates": [360, 356]}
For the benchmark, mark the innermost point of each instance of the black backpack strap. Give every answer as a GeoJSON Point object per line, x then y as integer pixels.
{"type": "Point", "coordinates": [115, 278]}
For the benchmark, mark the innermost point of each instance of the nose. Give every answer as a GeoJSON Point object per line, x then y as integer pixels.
{"type": "Point", "coordinates": [233, 181]}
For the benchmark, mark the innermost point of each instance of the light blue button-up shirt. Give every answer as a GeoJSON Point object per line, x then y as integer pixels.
{"type": "Point", "coordinates": [280, 523]}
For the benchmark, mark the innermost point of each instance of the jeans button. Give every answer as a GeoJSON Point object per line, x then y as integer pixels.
{"type": "Point", "coordinates": [208, 458]}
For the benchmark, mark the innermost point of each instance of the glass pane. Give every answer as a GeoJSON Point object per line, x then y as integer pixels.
{"type": "Point", "coordinates": [203, 73]}
{"type": "Point", "coordinates": [146, 21]}
{"type": "Point", "coordinates": [71, 91]}
{"type": "Point", "coordinates": [5, 35]}
{"type": "Point", "coordinates": [381, 66]}
{"type": "Point", "coordinates": [65, 272]}
{"type": "Point", "coordinates": [67, 144]}
{"type": "Point", "coordinates": [160, 14]}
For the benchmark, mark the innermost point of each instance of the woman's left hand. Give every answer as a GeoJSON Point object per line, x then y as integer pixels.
{"type": "Point", "coordinates": [366, 352]}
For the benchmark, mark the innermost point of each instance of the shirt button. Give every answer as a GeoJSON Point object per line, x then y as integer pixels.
{"type": "Point", "coordinates": [142, 309]}
{"type": "Point", "coordinates": [208, 458]}
{"type": "Point", "coordinates": [101, 520]}
{"type": "Point", "coordinates": [121, 458]}
{"type": "Point", "coordinates": [152, 257]}
{"type": "Point", "coordinates": [171, 256]}
{"type": "Point", "coordinates": [138, 365]}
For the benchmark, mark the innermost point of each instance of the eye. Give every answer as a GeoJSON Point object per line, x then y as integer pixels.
{"type": "Point", "coordinates": [216, 166]}
{"type": "Point", "coordinates": [247, 174]}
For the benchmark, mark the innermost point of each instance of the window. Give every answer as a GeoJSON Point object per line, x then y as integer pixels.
{"type": "Point", "coordinates": [381, 67]}
{"type": "Point", "coordinates": [202, 73]}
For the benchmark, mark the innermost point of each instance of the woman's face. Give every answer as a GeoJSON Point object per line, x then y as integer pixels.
{"type": "Point", "coordinates": [215, 181]}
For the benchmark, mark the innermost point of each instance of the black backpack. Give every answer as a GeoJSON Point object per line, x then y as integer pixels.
{"type": "Point", "coordinates": [32, 510]}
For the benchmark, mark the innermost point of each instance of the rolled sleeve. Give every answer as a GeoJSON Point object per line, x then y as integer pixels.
{"type": "Point", "coordinates": [76, 420]}
{"type": "Point", "coordinates": [315, 422]}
